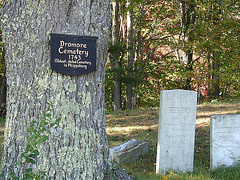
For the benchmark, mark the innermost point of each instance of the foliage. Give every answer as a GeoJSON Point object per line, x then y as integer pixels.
{"type": "Point", "coordinates": [1, 48]}
{"type": "Point", "coordinates": [180, 44]}
{"type": "Point", "coordinates": [2, 77]}
{"type": "Point", "coordinates": [142, 49]}
{"type": "Point", "coordinates": [2, 62]}
{"type": "Point", "coordinates": [37, 134]}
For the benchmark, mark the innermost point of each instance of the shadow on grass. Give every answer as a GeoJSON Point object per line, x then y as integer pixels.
{"type": "Point", "coordinates": [202, 146]}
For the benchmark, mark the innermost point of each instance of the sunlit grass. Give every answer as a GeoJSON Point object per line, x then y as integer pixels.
{"type": "Point", "coordinates": [142, 124]}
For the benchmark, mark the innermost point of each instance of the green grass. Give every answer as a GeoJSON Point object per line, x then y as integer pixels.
{"type": "Point", "coordinates": [142, 124]}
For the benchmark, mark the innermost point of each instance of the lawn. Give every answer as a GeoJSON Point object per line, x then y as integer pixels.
{"type": "Point", "coordinates": [142, 124]}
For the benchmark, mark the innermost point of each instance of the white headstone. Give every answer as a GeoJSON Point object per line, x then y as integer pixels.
{"type": "Point", "coordinates": [176, 131]}
{"type": "Point", "coordinates": [224, 140]}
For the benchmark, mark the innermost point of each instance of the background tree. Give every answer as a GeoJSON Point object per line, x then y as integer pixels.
{"type": "Point", "coordinates": [134, 42]}
{"type": "Point", "coordinates": [204, 40]}
{"type": "Point", "coordinates": [217, 22]}
{"type": "Point", "coordinates": [115, 56]}
{"type": "Point", "coordinates": [77, 148]}
{"type": "Point", "coordinates": [189, 44]}
{"type": "Point", "coordinates": [130, 56]}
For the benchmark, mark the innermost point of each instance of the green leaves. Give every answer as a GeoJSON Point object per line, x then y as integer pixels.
{"type": "Point", "coordinates": [38, 132]}
{"type": "Point", "coordinates": [30, 160]}
{"type": "Point", "coordinates": [34, 154]}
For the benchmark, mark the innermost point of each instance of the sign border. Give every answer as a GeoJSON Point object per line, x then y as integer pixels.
{"type": "Point", "coordinates": [71, 35]}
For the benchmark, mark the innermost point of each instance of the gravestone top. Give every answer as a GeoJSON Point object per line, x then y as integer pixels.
{"type": "Point", "coordinates": [126, 145]}
{"type": "Point", "coordinates": [73, 54]}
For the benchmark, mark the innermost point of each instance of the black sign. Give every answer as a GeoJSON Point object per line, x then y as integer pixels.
{"type": "Point", "coordinates": [72, 54]}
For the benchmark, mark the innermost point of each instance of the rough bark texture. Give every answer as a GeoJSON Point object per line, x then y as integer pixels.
{"type": "Point", "coordinates": [77, 147]}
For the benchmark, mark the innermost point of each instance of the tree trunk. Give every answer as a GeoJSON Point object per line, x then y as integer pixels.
{"type": "Point", "coordinates": [77, 148]}
{"type": "Point", "coordinates": [130, 56]}
{"type": "Point", "coordinates": [215, 75]}
{"type": "Point", "coordinates": [188, 16]}
{"type": "Point", "coordinates": [216, 55]}
{"type": "Point", "coordinates": [114, 57]}
{"type": "Point", "coordinates": [139, 55]}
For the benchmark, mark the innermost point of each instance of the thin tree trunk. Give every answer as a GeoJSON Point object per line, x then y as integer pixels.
{"type": "Point", "coordinates": [114, 57]}
{"type": "Point", "coordinates": [77, 148]}
{"type": "Point", "coordinates": [215, 75]}
{"type": "Point", "coordinates": [188, 16]}
{"type": "Point", "coordinates": [216, 55]}
{"type": "Point", "coordinates": [130, 57]}
{"type": "Point", "coordinates": [138, 56]}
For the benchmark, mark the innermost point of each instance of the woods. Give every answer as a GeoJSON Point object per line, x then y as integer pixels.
{"type": "Point", "coordinates": [156, 45]}
{"type": "Point", "coordinates": [189, 44]}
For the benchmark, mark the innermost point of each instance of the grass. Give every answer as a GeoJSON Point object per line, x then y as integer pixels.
{"type": "Point", "coordinates": [2, 123]}
{"type": "Point", "coordinates": [142, 124]}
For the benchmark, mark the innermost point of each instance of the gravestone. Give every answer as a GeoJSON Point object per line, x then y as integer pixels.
{"type": "Point", "coordinates": [224, 140]}
{"type": "Point", "coordinates": [176, 132]}
{"type": "Point", "coordinates": [128, 151]}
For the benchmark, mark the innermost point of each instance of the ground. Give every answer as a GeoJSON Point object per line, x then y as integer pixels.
{"type": "Point", "coordinates": [142, 124]}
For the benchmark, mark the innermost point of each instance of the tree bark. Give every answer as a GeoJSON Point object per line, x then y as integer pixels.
{"type": "Point", "coordinates": [114, 57]}
{"type": "Point", "coordinates": [216, 55]}
{"type": "Point", "coordinates": [215, 75]}
{"type": "Point", "coordinates": [188, 16]}
{"type": "Point", "coordinates": [77, 148]}
{"type": "Point", "coordinates": [130, 56]}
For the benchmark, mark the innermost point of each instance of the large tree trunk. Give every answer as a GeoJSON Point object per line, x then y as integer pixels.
{"type": "Point", "coordinates": [77, 148]}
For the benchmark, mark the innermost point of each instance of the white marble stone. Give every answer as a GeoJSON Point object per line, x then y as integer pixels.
{"type": "Point", "coordinates": [128, 151]}
{"type": "Point", "coordinates": [176, 131]}
{"type": "Point", "coordinates": [224, 140]}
